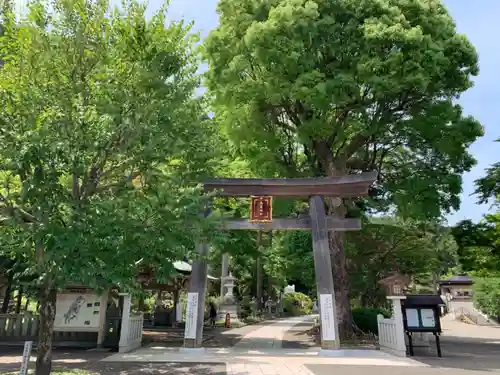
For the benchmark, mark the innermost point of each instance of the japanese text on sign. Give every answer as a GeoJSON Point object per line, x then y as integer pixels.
{"type": "Point", "coordinates": [261, 209]}
{"type": "Point", "coordinates": [327, 317]}
{"type": "Point", "coordinates": [191, 316]}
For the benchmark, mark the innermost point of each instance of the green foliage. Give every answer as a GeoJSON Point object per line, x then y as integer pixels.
{"type": "Point", "coordinates": [383, 245]}
{"type": "Point", "coordinates": [487, 296]}
{"type": "Point", "coordinates": [296, 304]}
{"type": "Point", "coordinates": [366, 318]}
{"type": "Point", "coordinates": [101, 142]}
{"type": "Point", "coordinates": [488, 187]}
{"type": "Point", "coordinates": [377, 93]}
{"type": "Point", "coordinates": [478, 245]}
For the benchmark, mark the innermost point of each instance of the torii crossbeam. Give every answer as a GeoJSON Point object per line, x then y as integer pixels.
{"type": "Point", "coordinates": [317, 221]}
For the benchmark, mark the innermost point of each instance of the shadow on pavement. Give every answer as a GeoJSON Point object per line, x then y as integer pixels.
{"type": "Point", "coordinates": [77, 359]}
{"type": "Point", "coordinates": [465, 353]}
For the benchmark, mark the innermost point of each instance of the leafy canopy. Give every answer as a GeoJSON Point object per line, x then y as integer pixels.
{"type": "Point", "coordinates": [318, 87]}
{"type": "Point", "coordinates": [101, 142]}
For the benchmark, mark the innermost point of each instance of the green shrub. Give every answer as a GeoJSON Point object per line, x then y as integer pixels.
{"type": "Point", "coordinates": [366, 318]}
{"type": "Point", "coordinates": [296, 304]}
{"type": "Point", "coordinates": [487, 296]}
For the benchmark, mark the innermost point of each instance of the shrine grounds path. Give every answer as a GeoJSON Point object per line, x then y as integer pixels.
{"type": "Point", "coordinates": [283, 347]}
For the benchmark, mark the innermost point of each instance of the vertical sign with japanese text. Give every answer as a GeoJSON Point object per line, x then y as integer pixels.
{"type": "Point", "coordinates": [191, 316]}
{"type": "Point", "coordinates": [327, 317]}
{"type": "Point", "coordinates": [26, 357]}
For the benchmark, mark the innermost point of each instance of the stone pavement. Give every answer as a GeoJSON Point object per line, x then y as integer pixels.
{"type": "Point", "coordinates": [261, 352]}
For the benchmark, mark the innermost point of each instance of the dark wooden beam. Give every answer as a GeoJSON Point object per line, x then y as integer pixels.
{"type": "Point", "coordinates": [354, 185]}
{"type": "Point", "coordinates": [301, 223]}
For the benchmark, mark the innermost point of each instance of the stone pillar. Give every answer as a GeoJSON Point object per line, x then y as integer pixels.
{"type": "Point", "coordinates": [324, 278]}
{"type": "Point", "coordinates": [224, 273]}
{"type": "Point", "coordinates": [397, 316]}
{"type": "Point", "coordinates": [197, 290]}
{"type": "Point", "coordinates": [125, 323]}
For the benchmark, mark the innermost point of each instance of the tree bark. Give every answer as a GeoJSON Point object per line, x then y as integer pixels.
{"type": "Point", "coordinates": [341, 283]}
{"type": "Point", "coordinates": [45, 331]}
{"type": "Point", "coordinates": [8, 292]}
{"type": "Point", "coordinates": [19, 300]}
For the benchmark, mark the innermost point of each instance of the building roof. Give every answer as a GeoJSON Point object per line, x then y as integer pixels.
{"type": "Point", "coordinates": [395, 279]}
{"type": "Point", "coordinates": [423, 300]}
{"type": "Point", "coordinates": [457, 280]}
{"type": "Point", "coordinates": [185, 267]}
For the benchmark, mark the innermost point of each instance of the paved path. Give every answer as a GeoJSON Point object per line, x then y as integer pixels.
{"type": "Point", "coordinates": [466, 348]}
{"type": "Point", "coordinates": [271, 336]}
{"type": "Point", "coordinates": [261, 352]}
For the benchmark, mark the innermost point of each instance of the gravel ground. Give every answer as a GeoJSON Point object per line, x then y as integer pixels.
{"type": "Point", "coordinates": [218, 337]}
{"type": "Point", "coordinates": [10, 361]}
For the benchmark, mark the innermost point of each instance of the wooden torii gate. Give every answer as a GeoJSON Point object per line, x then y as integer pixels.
{"type": "Point", "coordinates": [350, 186]}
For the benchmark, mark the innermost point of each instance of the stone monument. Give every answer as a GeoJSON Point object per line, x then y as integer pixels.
{"type": "Point", "coordinates": [228, 303]}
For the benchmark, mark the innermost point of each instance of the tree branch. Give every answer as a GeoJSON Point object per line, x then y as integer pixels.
{"type": "Point", "coordinates": [14, 211]}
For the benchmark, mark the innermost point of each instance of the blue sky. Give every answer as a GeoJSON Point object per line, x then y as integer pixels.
{"type": "Point", "coordinates": [481, 25]}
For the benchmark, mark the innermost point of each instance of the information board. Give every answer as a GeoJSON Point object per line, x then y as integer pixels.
{"type": "Point", "coordinates": [327, 317]}
{"type": "Point", "coordinates": [78, 312]}
{"type": "Point", "coordinates": [191, 316]}
{"type": "Point", "coordinates": [412, 318]}
{"type": "Point", "coordinates": [428, 318]}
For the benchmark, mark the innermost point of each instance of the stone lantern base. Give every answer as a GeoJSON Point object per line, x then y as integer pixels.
{"type": "Point", "coordinates": [232, 309]}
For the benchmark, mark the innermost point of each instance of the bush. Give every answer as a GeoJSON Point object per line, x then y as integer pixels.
{"type": "Point", "coordinates": [296, 304]}
{"type": "Point", "coordinates": [487, 296]}
{"type": "Point", "coordinates": [366, 318]}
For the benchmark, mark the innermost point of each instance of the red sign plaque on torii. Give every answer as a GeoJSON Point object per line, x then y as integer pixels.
{"type": "Point", "coordinates": [261, 209]}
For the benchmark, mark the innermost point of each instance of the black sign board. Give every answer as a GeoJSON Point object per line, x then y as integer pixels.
{"type": "Point", "coordinates": [421, 314]}
{"type": "Point", "coordinates": [421, 319]}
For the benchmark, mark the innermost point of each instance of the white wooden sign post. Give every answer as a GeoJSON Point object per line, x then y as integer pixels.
{"type": "Point", "coordinates": [327, 317]}
{"type": "Point", "coordinates": [26, 357]}
{"type": "Point", "coordinates": [191, 316]}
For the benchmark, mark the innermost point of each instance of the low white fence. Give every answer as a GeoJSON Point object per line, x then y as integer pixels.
{"type": "Point", "coordinates": [131, 336]}
{"type": "Point", "coordinates": [391, 337]}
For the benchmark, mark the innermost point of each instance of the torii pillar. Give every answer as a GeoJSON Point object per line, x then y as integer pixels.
{"type": "Point", "coordinates": [350, 186]}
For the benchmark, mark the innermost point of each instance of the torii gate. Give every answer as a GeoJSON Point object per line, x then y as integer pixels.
{"type": "Point", "coordinates": [350, 186]}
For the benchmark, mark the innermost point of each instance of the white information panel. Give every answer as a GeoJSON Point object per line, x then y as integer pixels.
{"type": "Point", "coordinates": [412, 318]}
{"type": "Point", "coordinates": [327, 317]}
{"type": "Point", "coordinates": [428, 319]}
{"type": "Point", "coordinates": [78, 312]}
{"type": "Point", "coordinates": [191, 316]}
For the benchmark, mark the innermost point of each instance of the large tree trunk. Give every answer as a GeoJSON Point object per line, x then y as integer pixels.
{"type": "Point", "coordinates": [333, 168]}
{"type": "Point", "coordinates": [341, 283]}
{"type": "Point", "coordinates": [8, 293]}
{"type": "Point", "coordinates": [19, 300]}
{"type": "Point", "coordinates": [46, 331]}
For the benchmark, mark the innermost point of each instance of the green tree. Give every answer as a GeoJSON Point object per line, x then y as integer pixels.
{"type": "Point", "coordinates": [327, 88]}
{"type": "Point", "coordinates": [479, 245]}
{"type": "Point", "coordinates": [101, 145]}
{"type": "Point", "coordinates": [488, 187]}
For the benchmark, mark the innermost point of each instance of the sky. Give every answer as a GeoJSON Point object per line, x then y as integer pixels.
{"type": "Point", "coordinates": [480, 23]}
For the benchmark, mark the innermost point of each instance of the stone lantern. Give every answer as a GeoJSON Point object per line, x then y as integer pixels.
{"type": "Point", "coordinates": [229, 304]}
{"type": "Point", "coordinates": [229, 285]}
